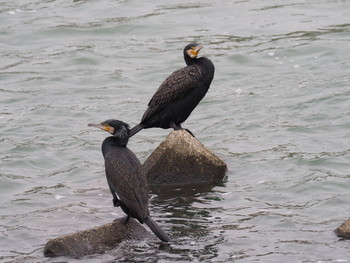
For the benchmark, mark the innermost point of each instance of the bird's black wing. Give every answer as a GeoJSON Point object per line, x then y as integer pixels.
{"type": "Point", "coordinates": [176, 86]}
{"type": "Point", "coordinates": [126, 177]}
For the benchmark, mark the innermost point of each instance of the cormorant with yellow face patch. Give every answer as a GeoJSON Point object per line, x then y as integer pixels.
{"type": "Point", "coordinates": [179, 94]}
{"type": "Point", "coordinates": [125, 176]}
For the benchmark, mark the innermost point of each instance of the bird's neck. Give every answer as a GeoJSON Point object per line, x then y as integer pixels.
{"type": "Point", "coordinates": [199, 61]}
{"type": "Point", "coordinates": [206, 67]}
{"type": "Point", "coordinates": [190, 61]}
{"type": "Point", "coordinates": [112, 142]}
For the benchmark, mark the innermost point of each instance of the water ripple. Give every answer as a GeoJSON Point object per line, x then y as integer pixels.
{"type": "Point", "coordinates": [277, 113]}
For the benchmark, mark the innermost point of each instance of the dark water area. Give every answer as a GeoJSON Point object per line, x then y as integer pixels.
{"type": "Point", "coordinates": [277, 113]}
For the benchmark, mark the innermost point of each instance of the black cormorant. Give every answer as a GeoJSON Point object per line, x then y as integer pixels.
{"type": "Point", "coordinates": [179, 94]}
{"type": "Point", "coordinates": [125, 176]}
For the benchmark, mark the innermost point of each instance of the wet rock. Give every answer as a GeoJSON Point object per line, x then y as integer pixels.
{"type": "Point", "coordinates": [95, 240]}
{"type": "Point", "coordinates": [181, 159]}
{"type": "Point", "coordinates": [343, 230]}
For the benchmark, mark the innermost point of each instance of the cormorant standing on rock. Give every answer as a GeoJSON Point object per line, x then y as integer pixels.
{"type": "Point", "coordinates": [125, 176]}
{"type": "Point", "coordinates": [179, 94]}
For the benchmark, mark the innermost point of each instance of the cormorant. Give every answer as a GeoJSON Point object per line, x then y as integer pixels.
{"type": "Point", "coordinates": [125, 176]}
{"type": "Point", "coordinates": [179, 94]}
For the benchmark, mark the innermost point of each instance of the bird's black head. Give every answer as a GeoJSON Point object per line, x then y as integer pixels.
{"type": "Point", "coordinates": [191, 51]}
{"type": "Point", "coordinates": [118, 129]}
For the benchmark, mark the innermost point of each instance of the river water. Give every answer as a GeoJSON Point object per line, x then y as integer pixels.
{"type": "Point", "coordinates": [277, 113]}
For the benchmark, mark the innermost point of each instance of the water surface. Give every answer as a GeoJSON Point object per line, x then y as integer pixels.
{"type": "Point", "coordinates": [277, 113]}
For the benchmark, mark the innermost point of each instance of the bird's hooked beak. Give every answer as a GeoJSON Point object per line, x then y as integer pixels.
{"type": "Point", "coordinates": [104, 127]}
{"type": "Point", "coordinates": [193, 52]}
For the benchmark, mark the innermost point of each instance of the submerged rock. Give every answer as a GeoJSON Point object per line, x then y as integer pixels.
{"type": "Point", "coordinates": [95, 240]}
{"type": "Point", "coordinates": [343, 230]}
{"type": "Point", "coordinates": [181, 159]}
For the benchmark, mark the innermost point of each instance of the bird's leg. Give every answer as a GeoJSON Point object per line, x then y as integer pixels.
{"type": "Point", "coordinates": [174, 126]}
{"type": "Point", "coordinates": [179, 127]}
{"type": "Point", "coordinates": [125, 220]}
{"type": "Point", "coordinates": [116, 201]}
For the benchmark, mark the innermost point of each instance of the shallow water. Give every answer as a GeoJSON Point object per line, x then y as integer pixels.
{"type": "Point", "coordinates": [277, 113]}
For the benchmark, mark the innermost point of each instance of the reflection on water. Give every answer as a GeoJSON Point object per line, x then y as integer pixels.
{"type": "Point", "coordinates": [188, 214]}
{"type": "Point", "coordinates": [277, 113]}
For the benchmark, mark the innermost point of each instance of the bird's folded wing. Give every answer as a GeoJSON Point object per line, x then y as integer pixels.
{"type": "Point", "coordinates": [176, 86]}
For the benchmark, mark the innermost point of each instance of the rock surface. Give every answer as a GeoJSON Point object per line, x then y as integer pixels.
{"type": "Point", "coordinates": [343, 230]}
{"type": "Point", "coordinates": [95, 240]}
{"type": "Point", "coordinates": [181, 159]}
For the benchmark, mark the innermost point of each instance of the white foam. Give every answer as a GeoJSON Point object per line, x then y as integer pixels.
{"type": "Point", "coordinates": [58, 197]}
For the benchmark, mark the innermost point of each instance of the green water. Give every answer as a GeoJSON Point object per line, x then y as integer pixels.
{"type": "Point", "coordinates": [277, 113]}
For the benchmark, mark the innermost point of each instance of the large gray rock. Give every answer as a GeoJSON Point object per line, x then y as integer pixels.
{"type": "Point", "coordinates": [181, 159]}
{"type": "Point", "coordinates": [343, 230]}
{"type": "Point", "coordinates": [95, 240]}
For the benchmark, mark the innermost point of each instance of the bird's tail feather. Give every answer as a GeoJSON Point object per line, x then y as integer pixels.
{"type": "Point", "coordinates": [135, 130]}
{"type": "Point", "coordinates": [156, 229]}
